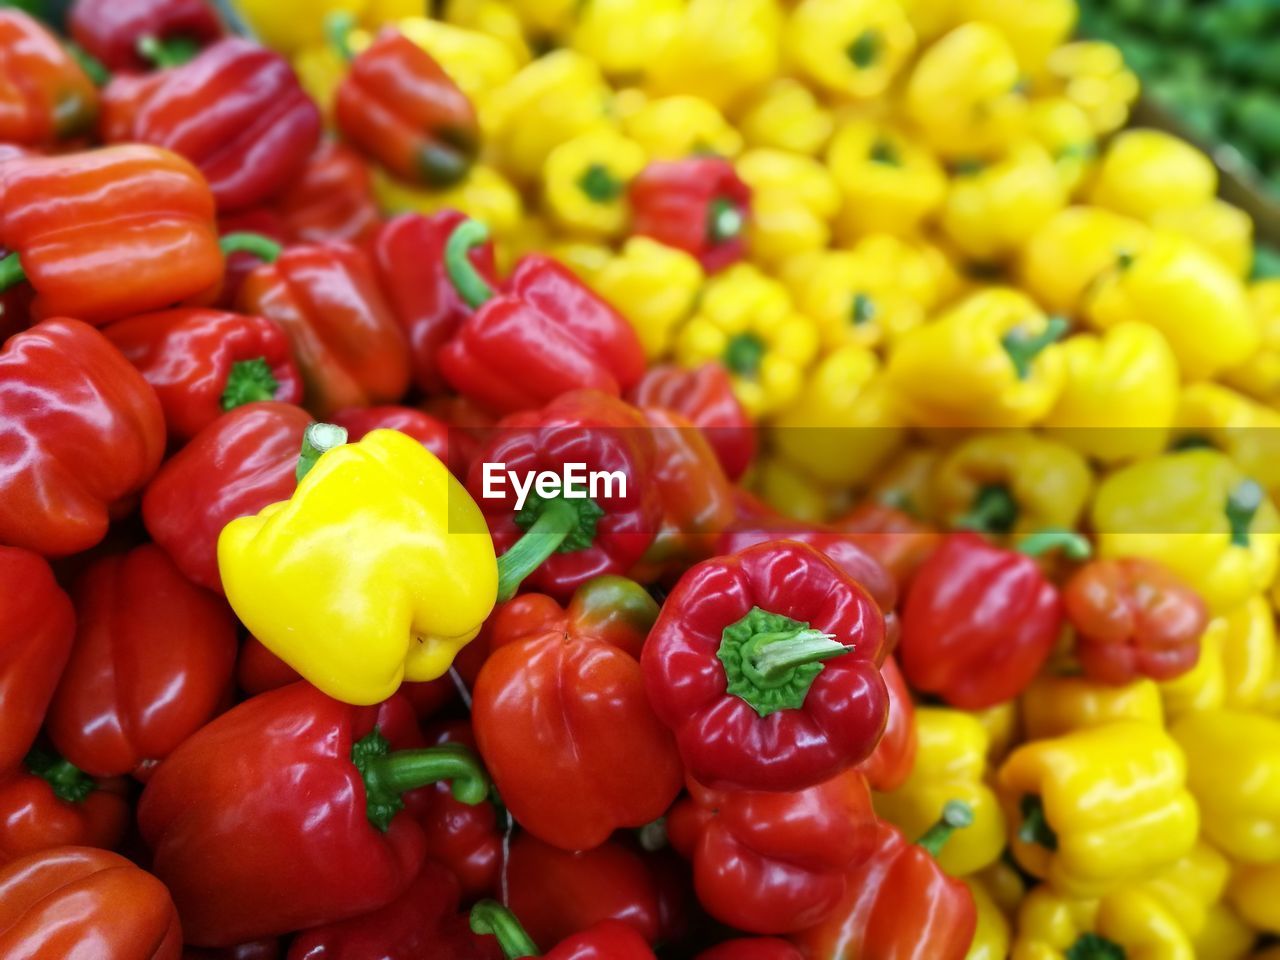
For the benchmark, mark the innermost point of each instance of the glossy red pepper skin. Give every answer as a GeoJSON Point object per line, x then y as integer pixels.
{"type": "Point", "coordinates": [890, 763]}
{"type": "Point", "coordinates": [426, 429]}
{"type": "Point", "coordinates": [1134, 617]}
{"type": "Point", "coordinates": [82, 902]}
{"type": "Point", "coordinates": [705, 396]}
{"type": "Point", "coordinates": [900, 905]}
{"type": "Point", "coordinates": [408, 253]}
{"type": "Point", "coordinates": [190, 357]}
{"type": "Point", "coordinates": [119, 103]}
{"type": "Point", "coordinates": [47, 803]}
{"type": "Point", "coordinates": [397, 105]}
{"type": "Point", "coordinates": [332, 199]}
{"type": "Point", "coordinates": [110, 30]}
{"type": "Point", "coordinates": [150, 666]}
{"type": "Point", "coordinates": [753, 948]}
{"type": "Point", "coordinates": [237, 112]}
{"type": "Point", "coordinates": [678, 202]}
{"type": "Point", "coordinates": [264, 221]}
{"type": "Point", "coordinates": [80, 433]}
{"type": "Point", "coordinates": [37, 624]}
{"type": "Point", "coordinates": [463, 838]}
{"type": "Point", "coordinates": [110, 233]}
{"type": "Point", "coordinates": [978, 623]}
{"type": "Point", "coordinates": [254, 950]}
{"type": "Point", "coordinates": [559, 700]}
{"type": "Point", "coordinates": [258, 822]}
{"type": "Point", "coordinates": [545, 334]}
{"type": "Point", "coordinates": [725, 744]}
{"type": "Point", "coordinates": [240, 463]}
{"type": "Point", "coordinates": [45, 96]}
{"type": "Point", "coordinates": [345, 339]}
{"type": "Point", "coordinates": [609, 940]}
{"type": "Point", "coordinates": [899, 541]}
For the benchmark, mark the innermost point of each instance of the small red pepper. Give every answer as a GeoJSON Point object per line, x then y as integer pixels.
{"type": "Point", "coordinates": [282, 814]}
{"type": "Point", "coordinates": [772, 862]}
{"type": "Point", "coordinates": [979, 621]}
{"type": "Point", "coordinates": [240, 463]}
{"type": "Point", "coordinates": [202, 363]}
{"type": "Point", "coordinates": [80, 431]}
{"type": "Point", "coordinates": [47, 802]}
{"type": "Point", "coordinates": [237, 112]}
{"type": "Point", "coordinates": [345, 339]}
{"type": "Point", "coordinates": [257, 235]}
{"type": "Point", "coordinates": [560, 698]}
{"type": "Point", "coordinates": [119, 103]}
{"type": "Point", "coordinates": [753, 948]}
{"type": "Point", "coordinates": [890, 763]}
{"type": "Point", "coordinates": [45, 95]}
{"type": "Point", "coordinates": [397, 105]}
{"type": "Point", "coordinates": [544, 335]}
{"type": "Point", "coordinates": [332, 199]}
{"type": "Point", "coordinates": [607, 940]}
{"type": "Point", "coordinates": [133, 35]}
{"type": "Point", "coordinates": [108, 234]}
{"type": "Point", "coordinates": [408, 252]}
{"type": "Point", "coordinates": [699, 205]}
{"type": "Point", "coordinates": [705, 396]}
{"type": "Point", "coordinates": [151, 664]}
{"type": "Point", "coordinates": [426, 429]}
{"type": "Point", "coordinates": [899, 541]}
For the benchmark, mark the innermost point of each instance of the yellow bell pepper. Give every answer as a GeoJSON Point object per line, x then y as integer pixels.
{"type": "Point", "coordinates": [906, 482]}
{"type": "Point", "coordinates": [1233, 768]}
{"type": "Point", "coordinates": [850, 48]}
{"type": "Point", "coordinates": [785, 115]}
{"type": "Point", "coordinates": [992, 934]}
{"type": "Point", "coordinates": [1246, 431]}
{"type": "Point", "coordinates": [545, 18]}
{"type": "Point", "coordinates": [1056, 705]}
{"type": "Point", "coordinates": [1120, 394]}
{"type": "Point", "coordinates": [1204, 686]}
{"type": "Point", "coordinates": [672, 128]}
{"type": "Point", "coordinates": [843, 425]}
{"type": "Point", "coordinates": [931, 18]}
{"type": "Point", "coordinates": [1196, 513]}
{"type": "Point", "coordinates": [988, 361]}
{"type": "Point", "coordinates": [1259, 376]}
{"type": "Point", "coordinates": [1092, 75]}
{"type": "Point", "coordinates": [965, 94]}
{"type": "Point", "coordinates": [530, 234]}
{"type": "Point", "coordinates": [485, 195]}
{"type": "Point", "coordinates": [320, 69]}
{"type": "Point", "coordinates": [723, 50]}
{"type": "Point", "coordinates": [1143, 171]}
{"type": "Point", "coordinates": [654, 286]}
{"type": "Point", "coordinates": [889, 183]}
{"type": "Point", "coordinates": [1186, 294]}
{"type": "Point", "coordinates": [1064, 258]}
{"type": "Point", "coordinates": [951, 764]}
{"type": "Point", "coordinates": [493, 18]}
{"type": "Point", "coordinates": [1255, 894]}
{"type": "Point", "coordinates": [1190, 887]}
{"type": "Point", "coordinates": [1003, 724]}
{"type": "Point", "coordinates": [585, 180]}
{"type": "Point", "coordinates": [584, 257]}
{"type": "Point", "coordinates": [1005, 884]}
{"type": "Point", "coordinates": [1034, 30]}
{"type": "Point", "coordinates": [378, 569]}
{"type": "Point", "coordinates": [291, 25]}
{"type": "Point", "coordinates": [789, 490]}
{"type": "Point", "coordinates": [624, 36]}
{"type": "Point", "coordinates": [793, 200]}
{"type": "Point", "coordinates": [476, 62]}
{"type": "Point", "coordinates": [1098, 808]}
{"type": "Point", "coordinates": [1012, 481]}
{"type": "Point", "coordinates": [746, 322]}
{"type": "Point", "coordinates": [1123, 923]}
{"type": "Point", "coordinates": [1224, 231]}
{"type": "Point", "coordinates": [1064, 130]}
{"type": "Point", "coordinates": [1225, 936]}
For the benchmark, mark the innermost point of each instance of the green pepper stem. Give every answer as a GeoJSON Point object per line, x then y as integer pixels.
{"type": "Point", "coordinates": [248, 382]}
{"type": "Point", "coordinates": [462, 272]}
{"type": "Point", "coordinates": [170, 52]}
{"type": "Point", "coordinates": [994, 510]}
{"type": "Point", "coordinates": [653, 835]}
{"type": "Point", "coordinates": [776, 654]}
{"type": "Point", "coordinates": [1023, 348]}
{"type": "Point", "coordinates": [1073, 545]}
{"type": "Point", "coordinates": [1035, 827]}
{"type": "Point", "coordinates": [403, 770]}
{"type": "Point", "coordinates": [90, 64]}
{"type": "Point", "coordinates": [338, 26]}
{"type": "Point", "coordinates": [68, 782]}
{"type": "Point", "coordinates": [744, 354]}
{"type": "Point", "coordinates": [11, 272]}
{"type": "Point", "coordinates": [724, 220]}
{"type": "Point", "coordinates": [491, 919]}
{"type": "Point", "coordinates": [264, 248]}
{"type": "Point", "coordinates": [1093, 946]}
{"type": "Point", "coordinates": [318, 439]}
{"type": "Point", "coordinates": [956, 814]}
{"type": "Point", "coordinates": [554, 524]}
{"type": "Point", "coordinates": [1242, 504]}
{"type": "Point", "coordinates": [599, 184]}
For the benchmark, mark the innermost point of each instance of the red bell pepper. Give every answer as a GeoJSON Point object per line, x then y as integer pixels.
{"type": "Point", "coordinates": [263, 233]}
{"type": "Point", "coordinates": [240, 463]}
{"type": "Point", "coordinates": [980, 621]}
{"type": "Point", "coordinates": [1134, 617]}
{"type": "Point", "coordinates": [45, 95]}
{"type": "Point", "coordinates": [119, 103]}
{"type": "Point", "coordinates": [900, 905]}
{"type": "Point", "coordinates": [133, 35]}
{"type": "Point", "coordinates": [705, 396]}
{"type": "Point", "coordinates": [397, 105]}
{"type": "Point", "coordinates": [769, 862]}
{"type": "Point", "coordinates": [559, 699]}
{"type": "Point", "coordinates": [605, 534]}
{"type": "Point", "coordinates": [899, 541]}
{"type": "Point", "coordinates": [47, 802]}
{"type": "Point", "coordinates": [764, 665]}
{"type": "Point", "coordinates": [37, 624]}
{"type": "Point", "coordinates": [699, 205]}
{"type": "Point", "coordinates": [82, 902]}
{"type": "Point", "coordinates": [544, 335]}
{"type": "Point", "coordinates": [254, 950]}
{"type": "Point", "coordinates": [607, 940]}
{"type": "Point", "coordinates": [80, 433]}
{"type": "Point", "coordinates": [282, 814]}
{"type": "Point", "coordinates": [426, 429]}
{"type": "Point", "coordinates": [108, 234]}
{"type": "Point", "coordinates": [202, 363]}
{"type": "Point", "coordinates": [753, 948]}
{"type": "Point", "coordinates": [332, 199]}
{"type": "Point", "coordinates": [345, 339]}
{"type": "Point", "coordinates": [151, 664]}
{"type": "Point", "coordinates": [236, 111]}
{"type": "Point", "coordinates": [890, 763]}
{"type": "Point", "coordinates": [408, 253]}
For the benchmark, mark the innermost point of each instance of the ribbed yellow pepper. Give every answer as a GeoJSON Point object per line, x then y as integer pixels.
{"type": "Point", "coordinates": [476, 62]}
{"type": "Point", "coordinates": [850, 48]}
{"type": "Point", "coordinates": [1055, 705]}
{"type": "Point", "coordinates": [951, 764]}
{"type": "Point", "coordinates": [544, 17]}
{"type": "Point", "coordinates": [723, 50]}
{"type": "Point", "coordinates": [1065, 256]}
{"type": "Point", "coordinates": [672, 128]}
{"type": "Point", "coordinates": [1143, 171]}
{"type": "Point", "coordinates": [988, 361]}
{"type": "Point", "coordinates": [1233, 768]}
{"type": "Point", "coordinates": [786, 115]}
{"type": "Point", "coordinates": [1196, 513]}
{"type": "Point", "coordinates": [484, 194]}
{"type": "Point", "coordinates": [379, 568]}
{"type": "Point", "coordinates": [585, 180]}
{"type": "Point", "coordinates": [1225, 936]}
{"type": "Point", "coordinates": [992, 934]}
{"type": "Point", "coordinates": [1255, 893]}
{"type": "Point", "coordinates": [1259, 376]}
{"type": "Point", "coordinates": [624, 36]}
{"type": "Point", "coordinates": [585, 258]}
{"type": "Point", "coordinates": [1246, 431]}
{"type": "Point", "coordinates": [1092, 74]}
{"type": "Point", "coordinates": [1204, 686]}
{"type": "Point", "coordinates": [1003, 725]}
{"type": "Point", "coordinates": [1064, 130]}
{"type": "Point", "coordinates": [1190, 887]}
{"type": "Point", "coordinates": [291, 25]}
{"type": "Point", "coordinates": [494, 18]}
{"type": "Point", "coordinates": [1034, 30]}
{"type": "Point", "coordinates": [1223, 230]}
{"type": "Point", "coordinates": [790, 490]}
{"type": "Point", "coordinates": [906, 482]}
{"type": "Point", "coordinates": [1124, 923]}
{"type": "Point", "coordinates": [1098, 808]}
{"type": "Point", "coordinates": [654, 286]}
{"type": "Point", "coordinates": [793, 200]}
{"type": "Point", "coordinates": [1005, 884]}
{"type": "Point", "coordinates": [890, 183]}
{"type": "Point", "coordinates": [321, 68]}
